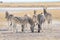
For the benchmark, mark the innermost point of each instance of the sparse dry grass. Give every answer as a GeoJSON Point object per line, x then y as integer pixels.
{"type": "Point", "coordinates": [32, 4]}
{"type": "Point", "coordinates": [55, 14]}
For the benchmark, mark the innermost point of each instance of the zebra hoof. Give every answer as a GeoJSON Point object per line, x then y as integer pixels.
{"type": "Point", "coordinates": [22, 31]}
{"type": "Point", "coordinates": [32, 31]}
{"type": "Point", "coordinates": [38, 31]}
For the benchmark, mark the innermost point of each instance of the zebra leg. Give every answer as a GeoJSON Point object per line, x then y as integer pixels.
{"type": "Point", "coordinates": [48, 21]}
{"type": "Point", "coordinates": [32, 28]}
{"type": "Point", "coordinates": [22, 28]}
{"type": "Point", "coordinates": [14, 28]}
{"type": "Point", "coordinates": [11, 24]}
{"type": "Point", "coordinates": [8, 23]}
{"type": "Point", "coordinates": [39, 28]}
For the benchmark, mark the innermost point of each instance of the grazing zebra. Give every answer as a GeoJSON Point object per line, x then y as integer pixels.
{"type": "Point", "coordinates": [23, 21]}
{"type": "Point", "coordinates": [48, 16]}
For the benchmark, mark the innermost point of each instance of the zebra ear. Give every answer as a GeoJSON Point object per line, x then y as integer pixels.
{"type": "Point", "coordinates": [44, 7]}
{"type": "Point", "coordinates": [34, 11]}
{"type": "Point", "coordinates": [6, 14]}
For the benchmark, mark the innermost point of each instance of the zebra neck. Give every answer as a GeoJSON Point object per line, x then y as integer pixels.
{"type": "Point", "coordinates": [45, 12]}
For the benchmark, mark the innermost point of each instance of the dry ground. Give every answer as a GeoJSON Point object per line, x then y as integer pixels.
{"type": "Point", "coordinates": [48, 32]}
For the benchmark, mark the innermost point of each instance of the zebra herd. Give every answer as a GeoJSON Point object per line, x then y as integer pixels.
{"type": "Point", "coordinates": [37, 19]}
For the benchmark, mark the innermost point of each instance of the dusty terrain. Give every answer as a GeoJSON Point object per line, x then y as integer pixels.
{"type": "Point", "coordinates": [48, 32]}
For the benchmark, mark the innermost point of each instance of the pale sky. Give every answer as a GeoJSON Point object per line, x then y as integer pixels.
{"type": "Point", "coordinates": [30, 0]}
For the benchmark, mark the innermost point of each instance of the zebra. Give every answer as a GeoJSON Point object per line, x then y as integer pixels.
{"type": "Point", "coordinates": [41, 20]}
{"type": "Point", "coordinates": [48, 16]}
{"type": "Point", "coordinates": [8, 17]}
